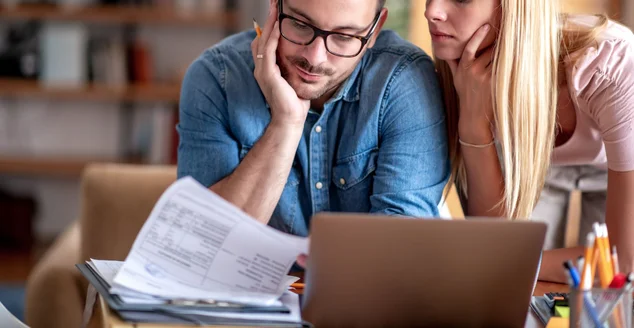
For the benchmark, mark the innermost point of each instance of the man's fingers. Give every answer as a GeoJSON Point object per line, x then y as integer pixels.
{"type": "Point", "coordinates": [254, 48]}
{"type": "Point", "coordinates": [267, 62]}
{"type": "Point", "coordinates": [470, 50]}
{"type": "Point", "coordinates": [271, 45]}
{"type": "Point", "coordinates": [268, 28]}
{"type": "Point", "coordinates": [301, 260]}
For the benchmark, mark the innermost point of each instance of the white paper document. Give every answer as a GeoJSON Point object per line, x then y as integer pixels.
{"type": "Point", "coordinates": [196, 245]}
{"type": "Point", "coordinates": [107, 270]}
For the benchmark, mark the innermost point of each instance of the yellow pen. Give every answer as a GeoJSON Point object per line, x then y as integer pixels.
{"type": "Point", "coordinates": [257, 28]}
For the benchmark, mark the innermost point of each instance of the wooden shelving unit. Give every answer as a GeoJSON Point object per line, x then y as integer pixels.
{"type": "Point", "coordinates": [120, 15]}
{"type": "Point", "coordinates": [69, 167]}
{"type": "Point", "coordinates": [140, 92]}
{"type": "Point", "coordinates": [64, 166]}
{"type": "Point", "coordinates": [48, 167]}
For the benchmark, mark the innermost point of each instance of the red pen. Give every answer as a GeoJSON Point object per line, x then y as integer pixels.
{"type": "Point", "coordinates": [619, 281]}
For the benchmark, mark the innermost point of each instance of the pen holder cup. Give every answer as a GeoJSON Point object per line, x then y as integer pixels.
{"type": "Point", "coordinates": [601, 307]}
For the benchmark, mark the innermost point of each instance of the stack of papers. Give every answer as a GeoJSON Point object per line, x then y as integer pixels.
{"type": "Point", "coordinates": [200, 256]}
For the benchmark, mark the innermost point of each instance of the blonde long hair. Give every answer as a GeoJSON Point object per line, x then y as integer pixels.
{"type": "Point", "coordinates": [532, 44]}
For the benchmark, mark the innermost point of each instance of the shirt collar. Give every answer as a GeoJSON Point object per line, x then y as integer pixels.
{"type": "Point", "coordinates": [349, 90]}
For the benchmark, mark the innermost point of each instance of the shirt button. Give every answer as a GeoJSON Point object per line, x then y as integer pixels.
{"type": "Point", "coordinates": [319, 185]}
{"type": "Point", "coordinates": [342, 181]}
{"type": "Point", "coordinates": [318, 129]}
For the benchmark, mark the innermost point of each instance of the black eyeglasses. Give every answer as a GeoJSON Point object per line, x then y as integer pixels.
{"type": "Point", "coordinates": [338, 44]}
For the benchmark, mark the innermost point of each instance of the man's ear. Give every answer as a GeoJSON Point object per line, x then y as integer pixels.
{"type": "Point", "coordinates": [379, 26]}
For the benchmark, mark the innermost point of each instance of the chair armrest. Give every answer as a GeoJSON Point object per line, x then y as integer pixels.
{"type": "Point", "coordinates": [55, 291]}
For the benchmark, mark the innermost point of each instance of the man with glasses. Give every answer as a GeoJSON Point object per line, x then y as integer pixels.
{"type": "Point", "coordinates": [322, 112]}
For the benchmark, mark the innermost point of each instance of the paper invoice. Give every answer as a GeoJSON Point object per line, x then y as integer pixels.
{"type": "Point", "coordinates": [196, 245]}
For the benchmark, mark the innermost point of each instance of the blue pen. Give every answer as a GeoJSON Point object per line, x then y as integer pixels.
{"type": "Point", "coordinates": [574, 274]}
{"type": "Point", "coordinates": [576, 281]}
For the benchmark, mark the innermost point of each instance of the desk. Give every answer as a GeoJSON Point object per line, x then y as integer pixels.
{"type": "Point", "coordinates": [104, 318]}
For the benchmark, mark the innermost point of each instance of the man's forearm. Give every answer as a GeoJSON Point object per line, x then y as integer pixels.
{"type": "Point", "coordinates": [257, 183]}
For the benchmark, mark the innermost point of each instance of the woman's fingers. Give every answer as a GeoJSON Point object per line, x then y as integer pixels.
{"type": "Point", "coordinates": [485, 59]}
{"type": "Point", "coordinates": [471, 49]}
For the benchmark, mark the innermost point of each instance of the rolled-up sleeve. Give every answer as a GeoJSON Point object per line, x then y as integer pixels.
{"type": "Point", "coordinates": [413, 164]}
{"type": "Point", "coordinates": [207, 151]}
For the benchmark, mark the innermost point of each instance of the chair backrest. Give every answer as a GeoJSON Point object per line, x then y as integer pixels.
{"type": "Point", "coordinates": [116, 201]}
{"type": "Point", "coordinates": [7, 320]}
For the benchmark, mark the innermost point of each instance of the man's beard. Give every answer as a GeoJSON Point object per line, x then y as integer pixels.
{"type": "Point", "coordinates": [305, 65]}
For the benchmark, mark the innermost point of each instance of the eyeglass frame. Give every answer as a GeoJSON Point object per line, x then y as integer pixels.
{"type": "Point", "coordinates": [317, 32]}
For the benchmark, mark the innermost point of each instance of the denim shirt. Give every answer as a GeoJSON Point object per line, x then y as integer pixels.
{"type": "Point", "coordinates": [378, 146]}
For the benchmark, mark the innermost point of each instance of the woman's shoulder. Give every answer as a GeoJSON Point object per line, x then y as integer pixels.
{"type": "Point", "coordinates": [611, 31]}
{"type": "Point", "coordinates": [610, 58]}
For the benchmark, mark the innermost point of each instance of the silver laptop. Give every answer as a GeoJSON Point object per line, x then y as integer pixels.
{"type": "Point", "coordinates": [377, 271]}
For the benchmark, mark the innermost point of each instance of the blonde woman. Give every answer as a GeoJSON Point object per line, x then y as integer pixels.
{"type": "Point", "coordinates": [539, 103]}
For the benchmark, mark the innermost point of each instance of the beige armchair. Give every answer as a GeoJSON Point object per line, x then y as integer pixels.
{"type": "Point", "coordinates": [116, 200]}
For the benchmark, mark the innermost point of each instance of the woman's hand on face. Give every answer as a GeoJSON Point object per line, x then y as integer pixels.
{"type": "Point", "coordinates": [472, 80]}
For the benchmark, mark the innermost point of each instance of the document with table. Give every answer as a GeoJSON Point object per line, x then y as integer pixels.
{"type": "Point", "coordinates": [201, 255]}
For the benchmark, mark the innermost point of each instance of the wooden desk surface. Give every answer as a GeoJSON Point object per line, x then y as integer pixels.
{"type": "Point", "coordinates": [104, 318]}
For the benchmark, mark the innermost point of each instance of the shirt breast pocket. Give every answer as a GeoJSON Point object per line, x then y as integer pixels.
{"type": "Point", "coordinates": [353, 179]}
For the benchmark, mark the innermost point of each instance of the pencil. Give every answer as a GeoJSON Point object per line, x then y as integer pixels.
{"type": "Point", "coordinates": [615, 260]}
{"type": "Point", "coordinates": [606, 247]}
{"type": "Point", "coordinates": [257, 28]}
{"type": "Point", "coordinates": [595, 261]}
{"type": "Point", "coordinates": [604, 270]}
{"type": "Point", "coordinates": [297, 285]}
